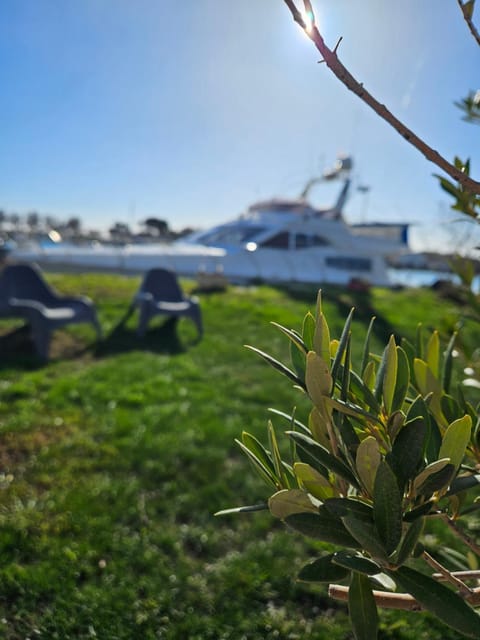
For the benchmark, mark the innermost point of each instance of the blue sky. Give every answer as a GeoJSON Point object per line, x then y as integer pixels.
{"type": "Point", "coordinates": [116, 110]}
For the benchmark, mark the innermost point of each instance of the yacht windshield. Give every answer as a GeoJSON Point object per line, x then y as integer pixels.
{"type": "Point", "coordinates": [230, 235]}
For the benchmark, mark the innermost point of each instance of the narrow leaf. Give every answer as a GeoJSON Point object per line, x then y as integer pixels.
{"type": "Point", "coordinates": [291, 419]}
{"type": "Point", "coordinates": [308, 331]}
{"type": "Point", "coordinates": [387, 507]}
{"type": "Point", "coordinates": [257, 448]}
{"type": "Point", "coordinates": [288, 501]}
{"type": "Point", "coordinates": [390, 377]}
{"type": "Point", "coordinates": [366, 347]}
{"type": "Point", "coordinates": [368, 375]}
{"type": "Point", "coordinates": [437, 481]}
{"type": "Point", "coordinates": [317, 423]}
{"type": "Point", "coordinates": [246, 509]}
{"type": "Point", "coordinates": [403, 380]}
{"type": "Point", "coordinates": [352, 410]}
{"type": "Point", "coordinates": [322, 456]}
{"type": "Point", "coordinates": [456, 439]}
{"type": "Point", "coordinates": [463, 483]}
{"type": "Point", "coordinates": [342, 345]}
{"type": "Point", "coordinates": [345, 386]}
{"type": "Point", "coordinates": [368, 459]}
{"type": "Point", "coordinates": [321, 338]}
{"type": "Point", "coordinates": [313, 481]}
{"type": "Point", "coordinates": [407, 450]}
{"type": "Point", "coordinates": [362, 389]}
{"type": "Point", "coordinates": [356, 562]}
{"type": "Point", "coordinates": [259, 466]}
{"type": "Point", "coordinates": [410, 540]}
{"type": "Point", "coordinates": [278, 366]}
{"type": "Point", "coordinates": [450, 408]}
{"type": "Point", "coordinates": [422, 510]}
{"type": "Point", "coordinates": [342, 507]}
{"type": "Point", "coordinates": [439, 600]}
{"type": "Point", "coordinates": [362, 608]}
{"type": "Point", "coordinates": [433, 354]}
{"type": "Point", "coordinates": [318, 380]}
{"type": "Point", "coordinates": [276, 457]}
{"type": "Point", "coordinates": [322, 527]}
{"type": "Point", "coordinates": [378, 389]}
{"type": "Point", "coordinates": [293, 336]}
{"type": "Point", "coordinates": [430, 470]}
{"type": "Point", "coordinates": [366, 536]}
{"type": "Point", "coordinates": [323, 570]}
{"type": "Point", "coordinates": [297, 359]}
{"type": "Point", "coordinates": [447, 364]}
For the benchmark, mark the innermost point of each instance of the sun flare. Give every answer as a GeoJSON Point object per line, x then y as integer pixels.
{"type": "Point", "coordinates": [308, 20]}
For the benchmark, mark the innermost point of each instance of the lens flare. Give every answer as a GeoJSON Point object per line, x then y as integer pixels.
{"type": "Point", "coordinates": [308, 20]}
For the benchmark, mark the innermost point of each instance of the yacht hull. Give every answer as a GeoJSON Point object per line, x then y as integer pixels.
{"type": "Point", "coordinates": [314, 265]}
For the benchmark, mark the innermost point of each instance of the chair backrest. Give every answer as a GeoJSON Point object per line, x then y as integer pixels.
{"type": "Point", "coordinates": [25, 281]}
{"type": "Point", "coordinates": [163, 285]}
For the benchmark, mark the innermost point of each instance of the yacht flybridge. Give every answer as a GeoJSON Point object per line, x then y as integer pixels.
{"type": "Point", "coordinates": [276, 240]}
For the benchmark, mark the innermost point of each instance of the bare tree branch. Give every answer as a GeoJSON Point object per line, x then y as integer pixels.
{"type": "Point", "coordinates": [464, 537]}
{"type": "Point", "coordinates": [388, 600]}
{"type": "Point", "coordinates": [383, 599]}
{"type": "Point", "coordinates": [333, 63]}
{"type": "Point", "coordinates": [447, 575]}
{"type": "Point", "coordinates": [296, 14]}
{"type": "Point", "coordinates": [467, 11]}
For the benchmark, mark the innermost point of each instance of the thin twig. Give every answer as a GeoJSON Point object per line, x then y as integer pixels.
{"type": "Point", "coordinates": [388, 600]}
{"type": "Point", "coordinates": [466, 575]}
{"type": "Point", "coordinates": [467, 16]}
{"type": "Point", "coordinates": [337, 68]}
{"type": "Point", "coordinates": [297, 16]}
{"type": "Point", "coordinates": [384, 599]}
{"type": "Point", "coordinates": [447, 575]}
{"type": "Point", "coordinates": [464, 537]}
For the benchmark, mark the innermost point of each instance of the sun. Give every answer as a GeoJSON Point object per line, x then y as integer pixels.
{"type": "Point", "coordinates": [308, 20]}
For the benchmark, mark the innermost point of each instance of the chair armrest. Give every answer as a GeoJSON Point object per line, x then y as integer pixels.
{"type": "Point", "coordinates": [143, 297]}
{"type": "Point", "coordinates": [26, 304]}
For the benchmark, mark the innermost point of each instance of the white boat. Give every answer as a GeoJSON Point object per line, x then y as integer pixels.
{"type": "Point", "coordinates": [277, 241]}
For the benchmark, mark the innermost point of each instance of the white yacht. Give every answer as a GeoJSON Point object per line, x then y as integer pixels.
{"type": "Point", "coordinates": [275, 241]}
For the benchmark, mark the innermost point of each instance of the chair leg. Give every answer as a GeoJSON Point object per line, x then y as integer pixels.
{"type": "Point", "coordinates": [41, 339]}
{"type": "Point", "coordinates": [143, 319]}
{"type": "Point", "coordinates": [197, 319]}
{"type": "Point", "coordinates": [98, 326]}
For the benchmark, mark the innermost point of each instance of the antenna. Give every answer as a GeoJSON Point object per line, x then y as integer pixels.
{"type": "Point", "coordinates": [340, 169]}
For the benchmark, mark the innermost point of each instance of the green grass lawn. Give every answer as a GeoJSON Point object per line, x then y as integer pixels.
{"type": "Point", "coordinates": [122, 452]}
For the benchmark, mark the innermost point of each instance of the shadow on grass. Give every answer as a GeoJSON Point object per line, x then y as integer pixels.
{"type": "Point", "coordinates": [159, 338]}
{"type": "Point", "coordinates": [17, 350]}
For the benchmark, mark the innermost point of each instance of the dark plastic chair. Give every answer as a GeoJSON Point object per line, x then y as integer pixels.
{"type": "Point", "coordinates": [24, 293]}
{"type": "Point", "coordinates": [161, 294]}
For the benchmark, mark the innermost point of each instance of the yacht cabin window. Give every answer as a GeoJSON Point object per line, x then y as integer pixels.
{"type": "Point", "coordinates": [285, 240]}
{"type": "Point", "coordinates": [349, 263]}
{"type": "Point", "coordinates": [230, 235]}
{"type": "Point", "coordinates": [303, 241]}
{"type": "Point", "coordinates": [278, 241]}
